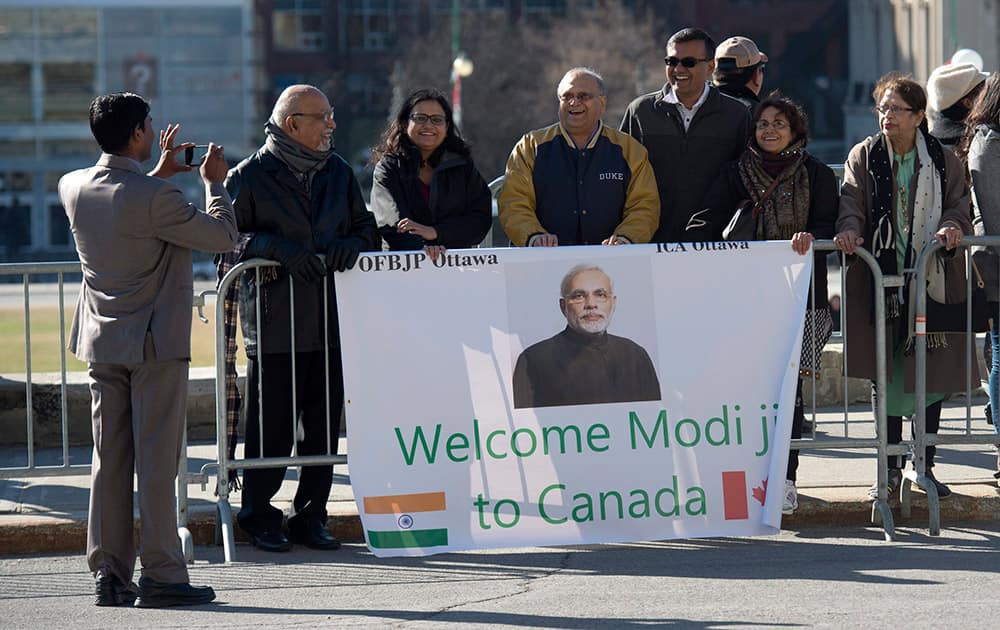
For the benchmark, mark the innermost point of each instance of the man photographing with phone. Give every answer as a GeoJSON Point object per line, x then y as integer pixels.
{"type": "Point", "coordinates": [134, 234]}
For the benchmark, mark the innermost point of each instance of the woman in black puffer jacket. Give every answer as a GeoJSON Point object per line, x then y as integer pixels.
{"type": "Point", "coordinates": [427, 193]}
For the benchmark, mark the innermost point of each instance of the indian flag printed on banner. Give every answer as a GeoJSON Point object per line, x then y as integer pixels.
{"type": "Point", "coordinates": [405, 521]}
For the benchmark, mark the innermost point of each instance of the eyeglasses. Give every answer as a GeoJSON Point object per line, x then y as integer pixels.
{"type": "Point", "coordinates": [599, 296]}
{"type": "Point", "coordinates": [422, 119]}
{"type": "Point", "coordinates": [687, 62]}
{"type": "Point", "coordinates": [579, 97]}
{"type": "Point", "coordinates": [895, 110]}
{"type": "Point", "coordinates": [778, 125]}
{"type": "Point", "coordinates": [326, 116]}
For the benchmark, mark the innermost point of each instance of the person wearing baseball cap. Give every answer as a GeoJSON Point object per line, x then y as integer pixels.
{"type": "Point", "coordinates": [951, 91]}
{"type": "Point", "coordinates": [739, 70]}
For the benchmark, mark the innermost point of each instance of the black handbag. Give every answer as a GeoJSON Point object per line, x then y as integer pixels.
{"type": "Point", "coordinates": [953, 317]}
{"type": "Point", "coordinates": [743, 225]}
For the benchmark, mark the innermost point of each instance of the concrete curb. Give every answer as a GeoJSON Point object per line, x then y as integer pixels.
{"type": "Point", "coordinates": [818, 507]}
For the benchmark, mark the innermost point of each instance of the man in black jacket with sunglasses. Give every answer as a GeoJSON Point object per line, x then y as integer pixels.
{"type": "Point", "coordinates": [689, 128]}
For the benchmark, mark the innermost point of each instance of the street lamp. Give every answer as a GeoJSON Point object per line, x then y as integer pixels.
{"type": "Point", "coordinates": [461, 67]}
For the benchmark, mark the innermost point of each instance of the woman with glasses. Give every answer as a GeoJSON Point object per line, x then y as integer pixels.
{"type": "Point", "coordinates": [979, 148]}
{"type": "Point", "coordinates": [427, 193]}
{"type": "Point", "coordinates": [796, 195]}
{"type": "Point", "coordinates": [901, 191]}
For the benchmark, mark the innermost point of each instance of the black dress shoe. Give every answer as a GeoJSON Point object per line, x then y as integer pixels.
{"type": "Point", "coordinates": [270, 541]}
{"type": "Point", "coordinates": [153, 594]}
{"type": "Point", "coordinates": [312, 533]}
{"type": "Point", "coordinates": [111, 591]}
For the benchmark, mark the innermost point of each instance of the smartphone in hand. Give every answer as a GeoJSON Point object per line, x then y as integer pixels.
{"type": "Point", "coordinates": [189, 154]}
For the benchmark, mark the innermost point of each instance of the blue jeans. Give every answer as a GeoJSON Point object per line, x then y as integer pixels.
{"type": "Point", "coordinates": [993, 338]}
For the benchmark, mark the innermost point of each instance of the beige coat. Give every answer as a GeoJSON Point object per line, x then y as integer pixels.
{"type": "Point", "coordinates": [946, 371]}
{"type": "Point", "coordinates": [134, 234]}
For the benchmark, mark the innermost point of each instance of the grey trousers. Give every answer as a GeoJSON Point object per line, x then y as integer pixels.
{"type": "Point", "coordinates": [139, 413]}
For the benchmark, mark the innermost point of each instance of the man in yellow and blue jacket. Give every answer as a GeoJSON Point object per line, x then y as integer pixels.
{"type": "Point", "coordinates": [579, 182]}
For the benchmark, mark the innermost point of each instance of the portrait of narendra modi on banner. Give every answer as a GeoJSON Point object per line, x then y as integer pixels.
{"type": "Point", "coordinates": [583, 363]}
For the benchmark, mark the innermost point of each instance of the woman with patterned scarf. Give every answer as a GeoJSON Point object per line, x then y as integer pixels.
{"type": "Point", "coordinates": [902, 190]}
{"type": "Point", "coordinates": [802, 206]}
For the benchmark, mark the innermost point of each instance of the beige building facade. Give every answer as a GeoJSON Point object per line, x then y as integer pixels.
{"type": "Point", "coordinates": [912, 36]}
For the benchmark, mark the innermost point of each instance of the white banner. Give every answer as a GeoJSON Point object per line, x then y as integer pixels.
{"type": "Point", "coordinates": [552, 396]}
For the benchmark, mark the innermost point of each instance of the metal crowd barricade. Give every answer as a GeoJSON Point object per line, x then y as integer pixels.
{"type": "Point", "coordinates": [921, 438]}
{"type": "Point", "coordinates": [226, 466]}
{"type": "Point", "coordinates": [32, 469]}
{"type": "Point", "coordinates": [881, 513]}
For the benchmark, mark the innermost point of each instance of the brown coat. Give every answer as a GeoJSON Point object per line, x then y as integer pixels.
{"type": "Point", "coordinates": [946, 371]}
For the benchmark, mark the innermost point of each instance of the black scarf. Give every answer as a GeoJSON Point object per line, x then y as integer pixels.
{"type": "Point", "coordinates": [882, 233]}
{"type": "Point", "coordinates": [883, 211]}
{"type": "Point", "coordinates": [302, 161]}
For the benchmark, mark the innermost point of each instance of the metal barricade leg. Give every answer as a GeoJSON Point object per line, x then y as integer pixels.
{"type": "Point", "coordinates": [918, 475]}
{"type": "Point", "coordinates": [224, 523]}
{"type": "Point", "coordinates": [187, 541]}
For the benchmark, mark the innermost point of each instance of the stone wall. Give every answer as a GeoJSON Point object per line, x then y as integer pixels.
{"type": "Point", "coordinates": [47, 408]}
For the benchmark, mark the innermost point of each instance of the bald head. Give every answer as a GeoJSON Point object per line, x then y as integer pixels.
{"type": "Point", "coordinates": [289, 102]}
{"type": "Point", "coordinates": [304, 113]}
{"type": "Point", "coordinates": [574, 73]}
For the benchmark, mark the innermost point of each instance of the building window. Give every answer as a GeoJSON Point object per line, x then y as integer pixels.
{"type": "Point", "coordinates": [17, 34]}
{"type": "Point", "coordinates": [444, 6]}
{"type": "Point", "coordinates": [17, 149]}
{"type": "Point", "coordinates": [59, 232]}
{"type": "Point", "coordinates": [15, 98]}
{"type": "Point", "coordinates": [557, 7]}
{"type": "Point", "coordinates": [67, 90]}
{"type": "Point", "coordinates": [16, 181]}
{"type": "Point", "coordinates": [374, 24]}
{"type": "Point", "coordinates": [15, 215]}
{"type": "Point", "coordinates": [298, 25]}
{"type": "Point", "coordinates": [67, 34]}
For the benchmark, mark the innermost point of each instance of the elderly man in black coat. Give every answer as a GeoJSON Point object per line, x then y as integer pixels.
{"type": "Point", "coordinates": [297, 202]}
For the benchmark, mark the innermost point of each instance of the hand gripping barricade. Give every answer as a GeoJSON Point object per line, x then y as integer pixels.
{"type": "Point", "coordinates": [922, 439]}
{"type": "Point", "coordinates": [32, 468]}
{"type": "Point", "coordinates": [226, 465]}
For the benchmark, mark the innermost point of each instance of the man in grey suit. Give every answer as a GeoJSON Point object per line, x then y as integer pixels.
{"type": "Point", "coordinates": [134, 234]}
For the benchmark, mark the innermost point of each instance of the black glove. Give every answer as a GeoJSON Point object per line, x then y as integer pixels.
{"type": "Point", "coordinates": [343, 253]}
{"type": "Point", "coordinates": [301, 264]}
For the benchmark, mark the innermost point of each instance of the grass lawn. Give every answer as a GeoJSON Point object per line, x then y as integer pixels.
{"type": "Point", "coordinates": [45, 341]}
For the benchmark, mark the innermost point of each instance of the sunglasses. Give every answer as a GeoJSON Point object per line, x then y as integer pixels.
{"type": "Point", "coordinates": [687, 62]}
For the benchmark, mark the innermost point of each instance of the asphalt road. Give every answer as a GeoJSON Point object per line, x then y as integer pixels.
{"type": "Point", "coordinates": [826, 578]}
